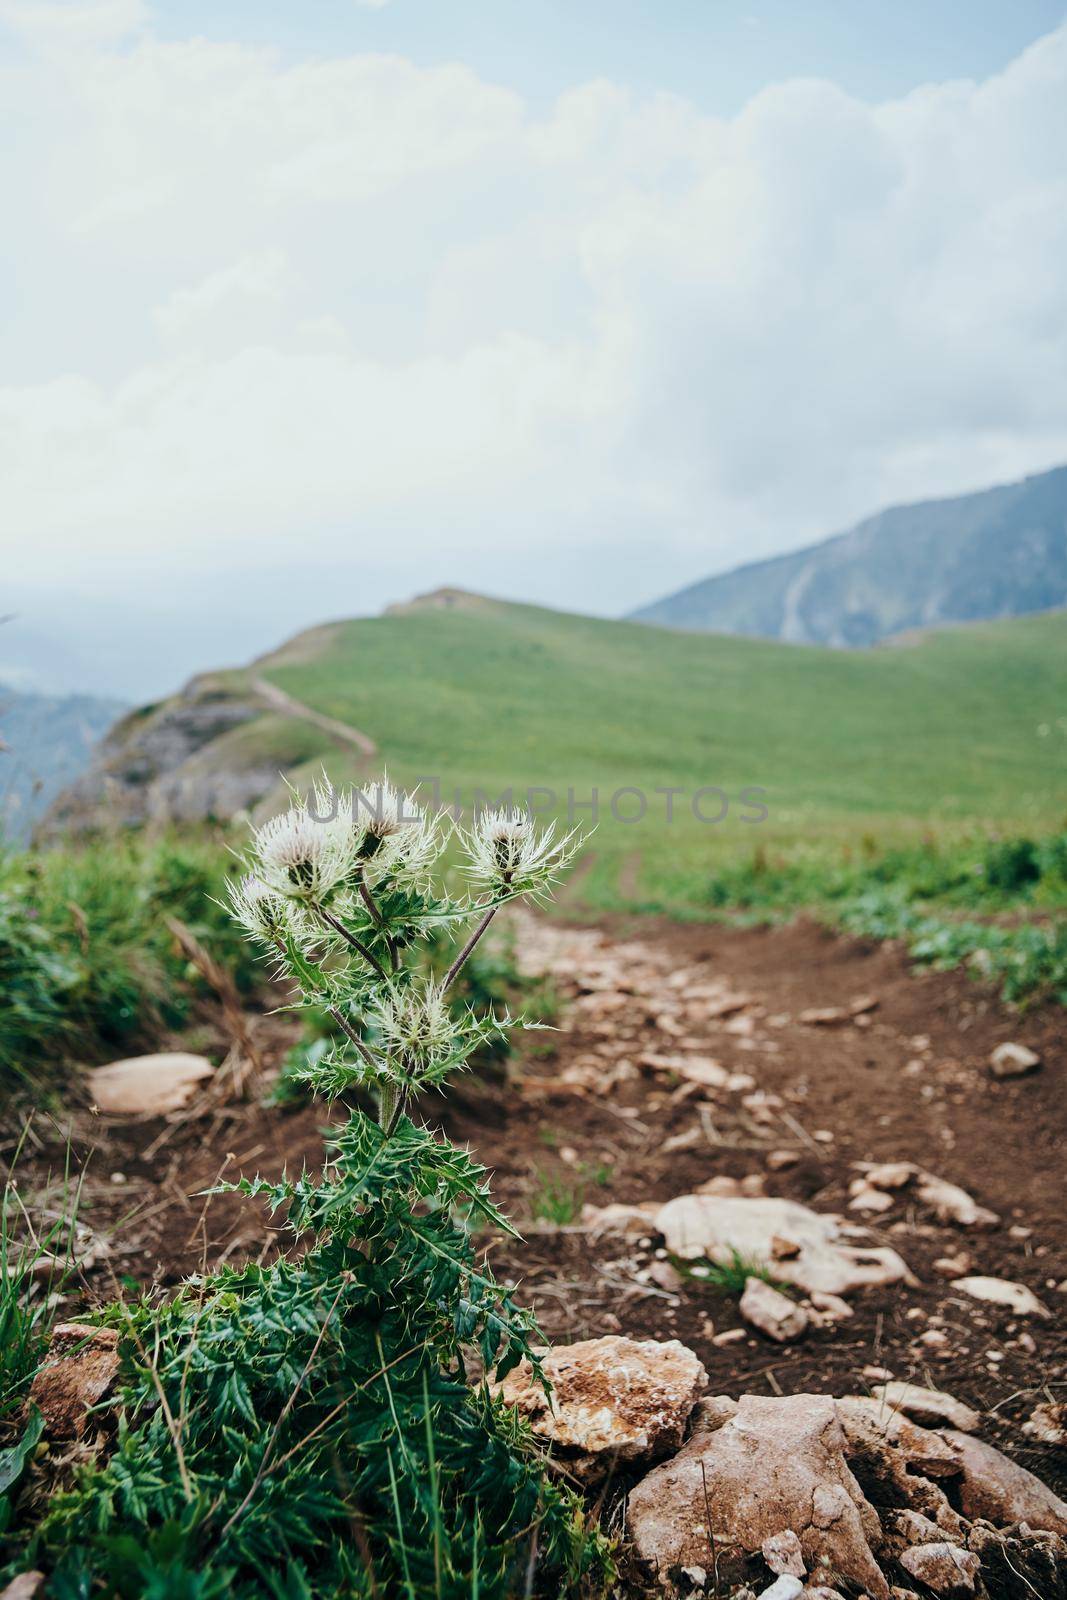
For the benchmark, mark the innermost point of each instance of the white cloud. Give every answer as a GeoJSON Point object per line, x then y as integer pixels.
{"type": "Point", "coordinates": [354, 309]}
{"type": "Point", "coordinates": [68, 23]}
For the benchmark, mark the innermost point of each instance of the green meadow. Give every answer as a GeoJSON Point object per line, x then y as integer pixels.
{"type": "Point", "coordinates": [956, 736]}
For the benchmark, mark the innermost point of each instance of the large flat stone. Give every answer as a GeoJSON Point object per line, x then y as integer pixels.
{"type": "Point", "coordinates": [776, 1465]}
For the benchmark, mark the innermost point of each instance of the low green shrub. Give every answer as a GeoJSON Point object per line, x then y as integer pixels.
{"type": "Point", "coordinates": [1012, 865]}
{"type": "Point", "coordinates": [919, 893]}
{"type": "Point", "coordinates": [1027, 961]}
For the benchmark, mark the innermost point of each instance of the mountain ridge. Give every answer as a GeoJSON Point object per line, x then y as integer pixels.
{"type": "Point", "coordinates": [46, 742]}
{"type": "Point", "coordinates": [989, 554]}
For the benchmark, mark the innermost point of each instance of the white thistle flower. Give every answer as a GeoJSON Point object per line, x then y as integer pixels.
{"type": "Point", "coordinates": [507, 854]}
{"type": "Point", "coordinates": [303, 855]}
{"type": "Point", "coordinates": [395, 836]}
{"type": "Point", "coordinates": [417, 1028]}
{"type": "Point", "coordinates": [263, 912]}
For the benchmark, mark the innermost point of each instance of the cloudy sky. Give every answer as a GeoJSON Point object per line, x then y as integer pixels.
{"type": "Point", "coordinates": [304, 309]}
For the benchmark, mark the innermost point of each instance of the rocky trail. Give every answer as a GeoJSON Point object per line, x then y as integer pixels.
{"type": "Point", "coordinates": [793, 1222]}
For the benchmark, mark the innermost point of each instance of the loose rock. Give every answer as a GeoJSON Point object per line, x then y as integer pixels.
{"type": "Point", "coordinates": [628, 1221]}
{"type": "Point", "coordinates": [950, 1203]}
{"type": "Point", "coordinates": [729, 1336]}
{"type": "Point", "coordinates": [783, 1554]}
{"type": "Point", "coordinates": [946, 1571]}
{"type": "Point", "coordinates": [865, 1198]}
{"type": "Point", "coordinates": [830, 1308]}
{"type": "Point", "coordinates": [1022, 1561]}
{"type": "Point", "coordinates": [721, 1228]}
{"type": "Point", "coordinates": [1013, 1061]}
{"type": "Point", "coordinates": [1048, 1423]}
{"type": "Point", "coordinates": [27, 1586]}
{"type": "Point", "coordinates": [874, 1191]}
{"type": "Point", "coordinates": [772, 1312]}
{"type": "Point", "coordinates": [79, 1371]}
{"type": "Point", "coordinates": [666, 1277]}
{"type": "Point", "coordinates": [1000, 1292]}
{"type": "Point", "coordinates": [784, 1588]}
{"type": "Point", "coordinates": [148, 1085]}
{"type": "Point", "coordinates": [875, 1430]}
{"type": "Point", "coordinates": [701, 1070]}
{"type": "Point", "coordinates": [891, 1174]}
{"type": "Point", "coordinates": [906, 1527]}
{"type": "Point", "coordinates": [612, 1399]}
{"type": "Point", "coordinates": [931, 1407]}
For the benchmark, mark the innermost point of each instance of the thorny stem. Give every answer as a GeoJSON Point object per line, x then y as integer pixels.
{"type": "Point", "coordinates": [350, 1033]}
{"type": "Point", "coordinates": [372, 906]}
{"type": "Point", "coordinates": [461, 960]}
{"type": "Point", "coordinates": [357, 944]}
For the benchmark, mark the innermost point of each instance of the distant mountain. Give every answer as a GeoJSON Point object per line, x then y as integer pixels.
{"type": "Point", "coordinates": [999, 553]}
{"type": "Point", "coordinates": [46, 743]}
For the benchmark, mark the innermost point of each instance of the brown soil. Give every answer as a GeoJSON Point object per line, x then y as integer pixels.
{"type": "Point", "coordinates": [910, 1083]}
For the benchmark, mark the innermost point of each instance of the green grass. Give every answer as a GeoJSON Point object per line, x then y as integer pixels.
{"type": "Point", "coordinates": [961, 730]}
{"type": "Point", "coordinates": [729, 1276]}
{"type": "Point", "coordinates": [558, 1197]}
{"type": "Point", "coordinates": [88, 966]}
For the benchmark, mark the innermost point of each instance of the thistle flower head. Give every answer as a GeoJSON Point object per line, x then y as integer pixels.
{"type": "Point", "coordinates": [305, 854]}
{"type": "Point", "coordinates": [394, 835]}
{"type": "Point", "coordinates": [507, 854]}
{"type": "Point", "coordinates": [263, 912]}
{"type": "Point", "coordinates": [417, 1028]}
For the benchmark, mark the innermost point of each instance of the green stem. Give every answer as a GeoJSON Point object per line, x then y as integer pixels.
{"type": "Point", "coordinates": [461, 960]}
{"type": "Point", "coordinates": [357, 944]}
{"type": "Point", "coordinates": [350, 1033]}
{"type": "Point", "coordinates": [377, 918]}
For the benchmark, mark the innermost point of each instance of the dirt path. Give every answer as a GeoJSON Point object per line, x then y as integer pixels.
{"type": "Point", "coordinates": [597, 1113]}
{"type": "Point", "coordinates": [278, 700]}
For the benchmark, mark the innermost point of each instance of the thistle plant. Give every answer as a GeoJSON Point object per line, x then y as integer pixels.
{"type": "Point", "coordinates": [322, 1426]}
{"type": "Point", "coordinates": [340, 891]}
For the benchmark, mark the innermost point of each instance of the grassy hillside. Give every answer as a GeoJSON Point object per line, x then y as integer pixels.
{"type": "Point", "coordinates": [958, 730]}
